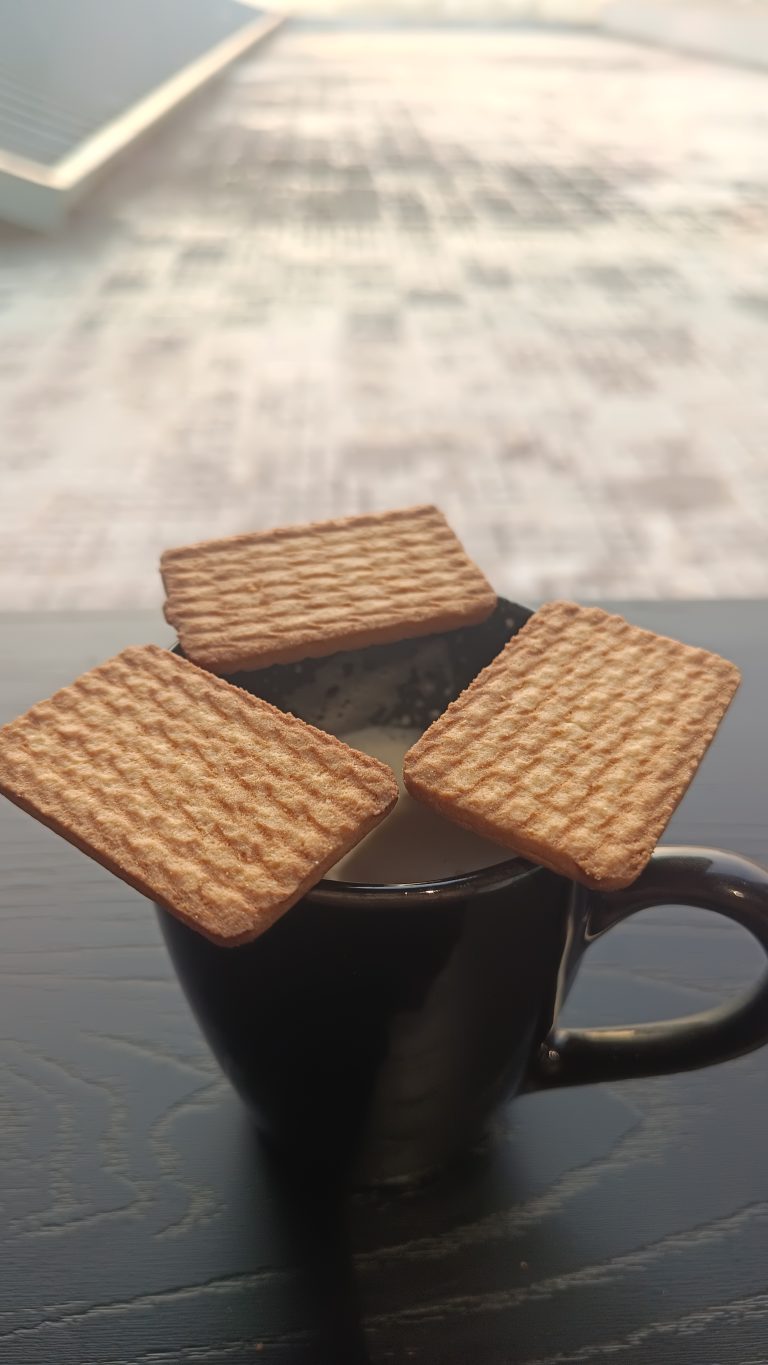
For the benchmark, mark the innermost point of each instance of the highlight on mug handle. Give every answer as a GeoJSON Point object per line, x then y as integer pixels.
{"type": "Point", "coordinates": [710, 880]}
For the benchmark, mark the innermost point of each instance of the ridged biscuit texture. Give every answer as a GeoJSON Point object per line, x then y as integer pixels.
{"type": "Point", "coordinates": [306, 591]}
{"type": "Point", "coordinates": [576, 744]}
{"type": "Point", "coordinates": [206, 799]}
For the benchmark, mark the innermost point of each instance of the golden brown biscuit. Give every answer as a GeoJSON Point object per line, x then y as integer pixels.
{"type": "Point", "coordinates": [305, 591]}
{"type": "Point", "coordinates": [204, 798]}
{"type": "Point", "coordinates": [576, 744]}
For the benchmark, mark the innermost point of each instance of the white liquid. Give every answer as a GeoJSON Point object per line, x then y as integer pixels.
{"type": "Point", "coordinates": [413, 843]}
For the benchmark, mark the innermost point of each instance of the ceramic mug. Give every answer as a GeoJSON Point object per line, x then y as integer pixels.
{"type": "Point", "coordinates": [378, 1027]}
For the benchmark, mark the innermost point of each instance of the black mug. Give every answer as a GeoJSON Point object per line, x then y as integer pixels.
{"type": "Point", "coordinates": [377, 1028]}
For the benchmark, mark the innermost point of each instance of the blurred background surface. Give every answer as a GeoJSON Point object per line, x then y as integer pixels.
{"type": "Point", "coordinates": [495, 258]}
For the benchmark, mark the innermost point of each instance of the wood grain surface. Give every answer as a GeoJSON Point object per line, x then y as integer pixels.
{"type": "Point", "coordinates": [143, 1224]}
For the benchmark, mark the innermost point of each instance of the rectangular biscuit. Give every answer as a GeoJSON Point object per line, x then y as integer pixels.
{"type": "Point", "coordinates": [305, 591]}
{"type": "Point", "coordinates": [205, 798]}
{"type": "Point", "coordinates": [576, 744]}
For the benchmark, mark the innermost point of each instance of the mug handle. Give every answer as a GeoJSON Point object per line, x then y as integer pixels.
{"type": "Point", "coordinates": [702, 877]}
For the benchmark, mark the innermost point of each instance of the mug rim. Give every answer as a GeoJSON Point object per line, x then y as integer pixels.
{"type": "Point", "coordinates": [329, 891]}
{"type": "Point", "coordinates": [392, 895]}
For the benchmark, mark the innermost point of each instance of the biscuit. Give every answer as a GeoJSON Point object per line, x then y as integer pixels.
{"type": "Point", "coordinates": [576, 744]}
{"type": "Point", "coordinates": [305, 591]}
{"type": "Point", "coordinates": [206, 799]}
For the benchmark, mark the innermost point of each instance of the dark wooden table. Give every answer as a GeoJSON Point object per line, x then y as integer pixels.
{"type": "Point", "coordinates": [143, 1224]}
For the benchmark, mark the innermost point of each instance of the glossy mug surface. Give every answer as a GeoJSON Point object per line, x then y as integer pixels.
{"type": "Point", "coordinates": [377, 1027]}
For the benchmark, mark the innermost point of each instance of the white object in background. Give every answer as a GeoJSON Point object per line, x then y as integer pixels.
{"type": "Point", "coordinates": [83, 80]}
{"type": "Point", "coordinates": [727, 31]}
